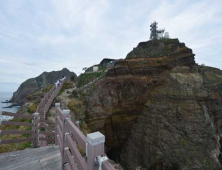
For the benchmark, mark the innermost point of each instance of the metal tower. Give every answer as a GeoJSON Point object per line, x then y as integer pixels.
{"type": "Point", "coordinates": [153, 29]}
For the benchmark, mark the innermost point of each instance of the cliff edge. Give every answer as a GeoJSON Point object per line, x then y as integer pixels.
{"type": "Point", "coordinates": [34, 85]}
{"type": "Point", "coordinates": [158, 109]}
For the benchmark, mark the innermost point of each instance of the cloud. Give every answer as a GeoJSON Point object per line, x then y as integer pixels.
{"type": "Point", "coordinates": [38, 36]}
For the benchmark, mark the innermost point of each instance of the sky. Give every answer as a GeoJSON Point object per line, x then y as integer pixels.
{"type": "Point", "coordinates": [47, 35]}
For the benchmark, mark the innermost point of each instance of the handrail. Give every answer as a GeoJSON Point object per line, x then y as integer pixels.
{"type": "Point", "coordinates": [8, 132]}
{"type": "Point", "coordinates": [70, 160]}
{"type": "Point", "coordinates": [9, 141]}
{"type": "Point", "coordinates": [38, 121]}
{"type": "Point", "coordinates": [15, 123]}
{"type": "Point", "coordinates": [67, 137]}
{"type": "Point", "coordinates": [59, 114]}
{"type": "Point", "coordinates": [79, 159]}
{"type": "Point", "coordinates": [46, 102]}
{"type": "Point", "coordinates": [47, 133]}
{"type": "Point", "coordinates": [107, 166]}
{"type": "Point", "coordinates": [77, 134]}
{"type": "Point", "coordinates": [17, 115]}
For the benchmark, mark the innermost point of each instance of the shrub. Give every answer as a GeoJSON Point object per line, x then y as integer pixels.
{"type": "Point", "coordinates": [46, 89]}
{"type": "Point", "coordinates": [74, 105]}
{"type": "Point", "coordinates": [32, 108]}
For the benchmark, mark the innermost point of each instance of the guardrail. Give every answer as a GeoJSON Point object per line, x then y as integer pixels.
{"type": "Point", "coordinates": [35, 132]}
{"type": "Point", "coordinates": [65, 134]}
{"type": "Point", "coordinates": [13, 123]}
{"type": "Point", "coordinates": [68, 137]}
{"type": "Point", "coordinates": [46, 102]}
{"type": "Point", "coordinates": [42, 132]}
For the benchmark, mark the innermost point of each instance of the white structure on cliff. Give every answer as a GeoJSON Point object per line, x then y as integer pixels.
{"type": "Point", "coordinates": [166, 35]}
{"type": "Point", "coordinates": [95, 68]}
{"type": "Point", "coordinates": [157, 34]}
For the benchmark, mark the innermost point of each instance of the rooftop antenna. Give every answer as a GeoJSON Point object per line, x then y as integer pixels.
{"type": "Point", "coordinates": [153, 29]}
{"type": "Point", "coordinates": [157, 34]}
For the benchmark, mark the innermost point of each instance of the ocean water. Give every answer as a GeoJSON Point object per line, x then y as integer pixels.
{"type": "Point", "coordinates": [3, 97]}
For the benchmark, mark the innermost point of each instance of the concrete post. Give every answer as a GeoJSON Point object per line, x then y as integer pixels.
{"type": "Point", "coordinates": [77, 124]}
{"type": "Point", "coordinates": [65, 118]}
{"type": "Point", "coordinates": [35, 130]}
{"type": "Point", "coordinates": [95, 147]}
{"type": "Point", "coordinates": [57, 106]}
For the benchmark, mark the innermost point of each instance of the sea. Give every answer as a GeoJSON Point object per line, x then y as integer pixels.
{"type": "Point", "coordinates": [3, 97]}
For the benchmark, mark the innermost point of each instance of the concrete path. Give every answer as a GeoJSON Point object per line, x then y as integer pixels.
{"type": "Point", "coordinates": [44, 158]}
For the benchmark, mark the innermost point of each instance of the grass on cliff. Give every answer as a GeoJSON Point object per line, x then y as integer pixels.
{"type": "Point", "coordinates": [15, 146]}
{"type": "Point", "coordinates": [66, 85]}
{"type": "Point", "coordinates": [84, 79]}
{"type": "Point", "coordinates": [32, 108]}
{"type": "Point", "coordinates": [100, 68]}
{"type": "Point", "coordinates": [78, 109]}
{"type": "Point", "coordinates": [46, 89]}
{"type": "Point", "coordinates": [75, 105]}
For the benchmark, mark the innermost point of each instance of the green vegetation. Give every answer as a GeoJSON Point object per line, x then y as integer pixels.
{"type": "Point", "coordinates": [74, 105]}
{"type": "Point", "coordinates": [32, 108]}
{"type": "Point", "coordinates": [84, 128]}
{"type": "Point", "coordinates": [168, 40]}
{"type": "Point", "coordinates": [46, 89]}
{"type": "Point", "coordinates": [195, 150]}
{"type": "Point", "coordinates": [214, 77]}
{"type": "Point", "coordinates": [101, 68]}
{"type": "Point", "coordinates": [66, 85]}
{"type": "Point", "coordinates": [81, 151]}
{"type": "Point", "coordinates": [78, 108]}
{"type": "Point", "coordinates": [15, 146]}
{"type": "Point", "coordinates": [84, 79]}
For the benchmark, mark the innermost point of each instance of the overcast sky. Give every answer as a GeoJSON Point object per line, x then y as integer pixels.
{"type": "Point", "coordinates": [47, 35]}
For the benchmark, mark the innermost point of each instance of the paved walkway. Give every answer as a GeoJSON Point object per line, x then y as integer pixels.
{"type": "Point", "coordinates": [44, 158]}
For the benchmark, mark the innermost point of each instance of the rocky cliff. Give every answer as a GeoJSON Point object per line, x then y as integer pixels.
{"type": "Point", "coordinates": [34, 85]}
{"type": "Point", "coordinates": [158, 109]}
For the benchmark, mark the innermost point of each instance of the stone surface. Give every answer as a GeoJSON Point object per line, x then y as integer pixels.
{"type": "Point", "coordinates": [158, 109]}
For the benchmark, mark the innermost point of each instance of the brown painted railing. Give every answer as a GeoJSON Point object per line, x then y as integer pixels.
{"type": "Point", "coordinates": [46, 102]}
{"type": "Point", "coordinates": [68, 136]}
{"type": "Point", "coordinates": [39, 122]}
{"type": "Point", "coordinates": [65, 134]}
{"type": "Point", "coordinates": [42, 139]}
{"type": "Point", "coordinates": [13, 123]}
{"type": "Point", "coordinates": [35, 132]}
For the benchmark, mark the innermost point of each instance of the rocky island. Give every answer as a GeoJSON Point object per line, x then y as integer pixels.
{"type": "Point", "coordinates": [157, 108]}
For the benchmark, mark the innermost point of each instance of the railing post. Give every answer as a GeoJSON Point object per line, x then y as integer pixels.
{"type": "Point", "coordinates": [57, 106]}
{"type": "Point", "coordinates": [95, 147]}
{"type": "Point", "coordinates": [65, 118]}
{"type": "Point", "coordinates": [77, 124]}
{"type": "Point", "coordinates": [35, 130]}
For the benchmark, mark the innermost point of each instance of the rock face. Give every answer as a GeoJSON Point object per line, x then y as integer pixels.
{"type": "Point", "coordinates": [36, 84]}
{"type": "Point", "coordinates": [158, 109]}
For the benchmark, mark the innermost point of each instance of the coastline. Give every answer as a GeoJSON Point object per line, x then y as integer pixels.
{"type": "Point", "coordinates": [7, 106]}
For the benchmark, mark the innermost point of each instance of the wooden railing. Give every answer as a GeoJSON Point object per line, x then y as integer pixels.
{"type": "Point", "coordinates": [42, 131]}
{"type": "Point", "coordinates": [68, 137]}
{"type": "Point", "coordinates": [46, 102]}
{"type": "Point", "coordinates": [13, 123]}
{"type": "Point", "coordinates": [40, 121]}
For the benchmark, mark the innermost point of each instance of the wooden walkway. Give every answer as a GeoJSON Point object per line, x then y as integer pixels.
{"type": "Point", "coordinates": [43, 158]}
